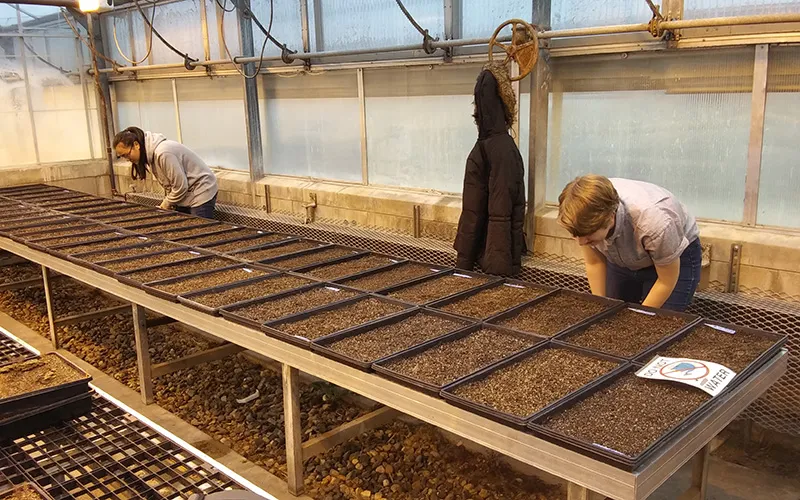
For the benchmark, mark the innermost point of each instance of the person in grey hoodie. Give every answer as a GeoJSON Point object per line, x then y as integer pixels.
{"type": "Point", "coordinates": [189, 185]}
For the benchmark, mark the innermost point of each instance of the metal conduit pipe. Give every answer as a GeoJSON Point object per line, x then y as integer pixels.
{"type": "Point", "coordinates": [730, 21]}
{"type": "Point", "coordinates": [55, 3]}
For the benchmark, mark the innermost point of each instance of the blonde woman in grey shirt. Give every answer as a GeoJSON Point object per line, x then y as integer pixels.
{"type": "Point", "coordinates": [639, 242]}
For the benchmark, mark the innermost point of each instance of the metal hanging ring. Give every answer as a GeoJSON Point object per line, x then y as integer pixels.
{"type": "Point", "coordinates": [524, 46]}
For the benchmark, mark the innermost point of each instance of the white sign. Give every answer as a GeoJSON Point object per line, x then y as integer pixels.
{"type": "Point", "coordinates": [710, 377]}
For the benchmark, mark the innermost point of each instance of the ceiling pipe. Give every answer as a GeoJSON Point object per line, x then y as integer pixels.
{"type": "Point", "coordinates": [51, 3]}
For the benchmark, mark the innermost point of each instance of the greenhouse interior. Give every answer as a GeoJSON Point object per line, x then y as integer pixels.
{"type": "Point", "coordinates": [399, 249]}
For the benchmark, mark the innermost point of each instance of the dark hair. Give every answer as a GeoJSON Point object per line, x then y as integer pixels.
{"type": "Point", "coordinates": [127, 137]}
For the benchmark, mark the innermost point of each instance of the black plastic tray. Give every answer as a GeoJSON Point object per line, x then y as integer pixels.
{"type": "Point", "coordinates": [60, 251]}
{"type": "Point", "coordinates": [236, 254]}
{"type": "Point", "coordinates": [435, 270]}
{"type": "Point", "coordinates": [229, 228]}
{"type": "Point", "coordinates": [24, 188]}
{"type": "Point", "coordinates": [99, 204]}
{"type": "Point", "coordinates": [33, 399]}
{"type": "Point", "coordinates": [49, 200]}
{"type": "Point", "coordinates": [691, 321]}
{"type": "Point", "coordinates": [100, 266]}
{"type": "Point", "coordinates": [394, 261]}
{"type": "Point", "coordinates": [322, 344]}
{"type": "Point", "coordinates": [457, 272]}
{"type": "Point", "coordinates": [119, 209]}
{"type": "Point", "coordinates": [611, 305]}
{"type": "Point", "coordinates": [102, 235]}
{"type": "Point", "coordinates": [88, 227]}
{"type": "Point", "coordinates": [276, 261]}
{"type": "Point", "coordinates": [229, 312]}
{"type": "Point", "coordinates": [6, 495]}
{"type": "Point", "coordinates": [150, 287]}
{"type": "Point", "coordinates": [36, 419]}
{"type": "Point", "coordinates": [601, 452]}
{"type": "Point", "coordinates": [513, 420]}
{"type": "Point", "coordinates": [142, 214]}
{"type": "Point", "coordinates": [778, 343]}
{"type": "Point", "coordinates": [439, 304]}
{"type": "Point", "coordinates": [272, 328]}
{"type": "Point", "coordinates": [254, 238]}
{"type": "Point", "coordinates": [200, 223]}
{"type": "Point", "coordinates": [381, 366]}
{"type": "Point", "coordinates": [29, 223]}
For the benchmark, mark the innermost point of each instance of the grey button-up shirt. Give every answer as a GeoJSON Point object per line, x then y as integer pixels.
{"type": "Point", "coordinates": [652, 227]}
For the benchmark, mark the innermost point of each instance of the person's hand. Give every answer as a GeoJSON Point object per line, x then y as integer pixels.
{"type": "Point", "coordinates": [165, 205]}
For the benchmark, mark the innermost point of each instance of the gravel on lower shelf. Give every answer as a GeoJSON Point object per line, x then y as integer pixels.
{"type": "Point", "coordinates": [230, 233]}
{"type": "Point", "coordinates": [35, 374]}
{"type": "Point", "coordinates": [232, 246]}
{"type": "Point", "coordinates": [127, 223]}
{"type": "Point", "coordinates": [173, 271]}
{"type": "Point", "coordinates": [241, 293]}
{"type": "Point", "coordinates": [536, 381]}
{"type": "Point", "coordinates": [384, 279]}
{"type": "Point", "coordinates": [121, 253]}
{"type": "Point", "coordinates": [553, 314]}
{"type": "Point", "coordinates": [312, 258]}
{"type": "Point", "coordinates": [626, 333]}
{"type": "Point", "coordinates": [438, 288]}
{"type": "Point", "coordinates": [20, 272]}
{"type": "Point", "coordinates": [736, 351]}
{"type": "Point", "coordinates": [493, 300]}
{"type": "Point", "coordinates": [90, 247]}
{"type": "Point", "coordinates": [350, 267]}
{"type": "Point", "coordinates": [151, 260]}
{"type": "Point", "coordinates": [293, 304]}
{"type": "Point", "coordinates": [75, 238]}
{"type": "Point", "coordinates": [395, 337]}
{"type": "Point", "coordinates": [211, 280]}
{"type": "Point", "coordinates": [629, 415]}
{"type": "Point", "coordinates": [446, 362]}
{"type": "Point", "coordinates": [277, 251]}
{"type": "Point", "coordinates": [324, 323]}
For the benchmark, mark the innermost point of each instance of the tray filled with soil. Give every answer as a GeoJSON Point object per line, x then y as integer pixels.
{"type": "Point", "coordinates": [26, 188]}
{"type": "Point", "coordinates": [437, 287]}
{"type": "Point", "coordinates": [254, 313]}
{"type": "Point", "coordinates": [629, 332]}
{"type": "Point", "coordinates": [210, 301]}
{"type": "Point", "coordinates": [30, 219]}
{"type": "Point", "coordinates": [197, 227]}
{"type": "Point", "coordinates": [555, 312]}
{"type": "Point", "coordinates": [391, 276]}
{"type": "Point", "coordinates": [349, 267]}
{"type": "Point", "coordinates": [515, 390]}
{"type": "Point", "coordinates": [248, 242]}
{"type": "Point", "coordinates": [224, 234]}
{"type": "Point", "coordinates": [624, 419]}
{"type": "Point", "coordinates": [35, 195]}
{"type": "Point", "coordinates": [25, 491]}
{"type": "Point", "coordinates": [138, 249]}
{"type": "Point", "coordinates": [170, 288]}
{"type": "Point", "coordinates": [741, 349]}
{"type": "Point", "coordinates": [432, 366]}
{"type": "Point", "coordinates": [281, 248]}
{"type": "Point", "coordinates": [115, 206]}
{"type": "Point", "coordinates": [143, 216]}
{"type": "Point", "coordinates": [101, 203]}
{"type": "Point", "coordinates": [61, 199]}
{"type": "Point", "coordinates": [179, 221]}
{"type": "Point", "coordinates": [56, 244]}
{"type": "Point", "coordinates": [123, 209]}
{"type": "Point", "coordinates": [487, 301]}
{"type": "Point", "coordinates": [40, 381]}
{"type": "Point", "coordinates": [77, 227]}
{"type": "Point", "coordinates": [302, 329]}
{"type": "Point", "coordinates": [119, 241]}
{"type": "Point", "coordinates": [307, 258]}
{"type": "Point", "coordinates": [160, 272]}
{"type": "Point", "coordinates": [38, 227]}
{"type": "Point", "coordinates": [66, 203]}
{"type": "Point", "coordinates": [144, 259]}
{"type": "Point", "coordinates": [362, 346]}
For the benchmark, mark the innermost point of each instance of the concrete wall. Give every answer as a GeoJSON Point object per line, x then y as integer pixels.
{"type": "Point", "coordinates": [87, 176]}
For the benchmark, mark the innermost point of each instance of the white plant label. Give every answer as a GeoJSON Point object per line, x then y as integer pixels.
{"type": "Point", "coordinates": [710, 377]}
{"type": "Point", "coordinates": [721, 329]}
{"type": "Point", "coordinates": [462, 275]}
{"type": "Point", "coordinates": [512, 285]}
{"type": "Point", "coordinates": [193, 252]}
{"type": "Point", "coordinates": [640, 311]}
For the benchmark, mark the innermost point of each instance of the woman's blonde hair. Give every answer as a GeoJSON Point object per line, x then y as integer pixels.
{"type": "Point", "coordinates": [586, 203]}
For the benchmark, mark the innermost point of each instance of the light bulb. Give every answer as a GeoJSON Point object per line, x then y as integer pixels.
{"type": "Point", "coordinates": [89, 5]}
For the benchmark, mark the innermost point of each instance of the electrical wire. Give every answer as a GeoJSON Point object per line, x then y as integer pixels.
{"type": "Point", "coordinates": [186, 58]}
{"type": "Point", "coordinates": [94, 51]}
{"type": "Point", "coordinates": [223, 6]}
{"type": "Point", "coordinates": [426, 37]}
{"type": "Point", "coordinates": [149, 40]}
{"type": "Point", "coordinates": [263, 46]}
{"type": "Point", "coordinates": [59, 68]}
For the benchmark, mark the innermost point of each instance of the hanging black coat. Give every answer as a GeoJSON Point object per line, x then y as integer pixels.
{"type": "Point", "coordinates": [490, 230]}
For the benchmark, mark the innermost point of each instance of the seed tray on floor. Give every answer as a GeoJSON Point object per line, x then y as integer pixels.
{"type": "Point", "coordinates": [124, 277]}
{"type": "Point", "coordinates": [12, 351]}
{"type": "Point", "coordinates": [100, 266]}
{"type": "Point", "coordinates": [609, 304]}
{"type": "Point", "coordinates": [453, 299]}
{"type": "Point", "coordinates": [448, 392]}
{"type": "Point", "coordinates": [322, 345]}
{"type": "Point", "coordinates": [391, 260]}
{"type": "Point", "coordinates": [246, 271]}
{"type": "Point", "coordinates": [273, 328]}
{"type": "Point", "coordinates": [189, 299]}
{"type": "Point", "coordinates": [39, 397]}
{"type": "Point", "coordinates": [278, 246]}
{"type": "Point", "coordinates": [35, 419]}
{"type": "Point", "coordinates": [19, 490]}
{"type": "Point", "coordinates": [777, 340]}
{"type": "Point", "coordinates": [690, 321]}
{"type": "Point", "coordinates": [480, 280]}
{"type": "Point", "coordinates": [284, 262]}
{"type": "Point", "coordinates": [230, 312]}
{"type": "Point", "coordinates": [603, 453]}
{"type": "Point", "coordinates": [382, 366]}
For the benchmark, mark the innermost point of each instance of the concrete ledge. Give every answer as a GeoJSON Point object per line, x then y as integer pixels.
{"type": "Point", "coordinates": [89, 176]}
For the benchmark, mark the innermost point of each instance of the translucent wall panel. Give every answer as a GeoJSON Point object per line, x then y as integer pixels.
{"type": "Point", "coordinates": [311, 126]}
{"type": "Point", "coordinates": [285, 26]}
{"type": "Point", "coordinates": [119, 24]}
{"type": "Point", "coordinates": [16, 148]}
{"type": "Point", "coordinates": [780, 172]}
{"type": "Point", "coordinates": [148, 105]}
{"type": "Point", "coordinates": [677, 120]}
{"type": "Point", "coordinates": [213, 120]}
{"type": "Point", "coordinates": [358, 24]}
{"type": "Point", "coordinates": [694, 9]}
{"type": "Point", "coordinates": [582, 14]}
{"type": "Point", "coordinates": [178, 22]}
{"type": "Point", "coordinates": [231, 25]}
{"type": "Point", "coordinates": [480, 17]}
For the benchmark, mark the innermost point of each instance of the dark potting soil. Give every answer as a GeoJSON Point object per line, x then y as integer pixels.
{"type": "Point", "coordinates": [437, 288]}
{"type": "Point", "coordinates": [350, 267]}
{"type": "Point", "coordinates": [36, 374]}
{"type": "Point", "coordinates": [294, 304]}
{"type": "Point", "coordinates": [276, 251]}
{"type": "Point", "coordinates": [327, 322]}
{"type": "Point", "coordinates": [531, 384]}
{"type": "Point", "coordinates": [178, 228]}
{"type": "Point", "coordinates": [27, 218]}
{"type": "Point", "coordinates": [259, 289]}
{"type": "Point", "coordinates": [53, 230]}
{"type": "Point", "coordinates": [232, 246]}
{"type": "Point", "coordinates": [113, 211]}
{"type": "Point", "coordinates": [494, 300]}
{"type": "Point", "coordinates": [626, 333]}
{"type": "Point", "coordinates": [312, 258]}
{"type": "Point", "coordinates": [121, 253]}
{"type": "Point", "coordinates": [628, 415]}
{"type": "Point", "coordinates": [553, 314]}
{"type": "Point", "coordinates": [384, 279]}
{"type": "Point", "coordinates": [736, 351]}
{"type": "Point", "coordinates": [94, 204]}
{"type": "Point", "coordinates": [91, 247]}
{"type": "Point", "coordinates": [151, 260]}
{"type": "Point", "coordinates": [24, 492]}
{"type": "Point", "coordinates": [75, 238]}
{"type": "Point", "coordinates": [126, 223]}
{"type": "Point", "coordinates": [173, 271]}
{"type": "Point", "coordinates": [389, 339]}
{"type": "Point", "coordinates": [210, 280]}
{"type": "Point", "coordinates": [229, 234]}
{"type": "Point", "coordinates": [444, 363]}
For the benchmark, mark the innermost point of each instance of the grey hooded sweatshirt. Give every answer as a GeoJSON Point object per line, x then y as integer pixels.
{"type": "Point", "coordinates": [185, 177]}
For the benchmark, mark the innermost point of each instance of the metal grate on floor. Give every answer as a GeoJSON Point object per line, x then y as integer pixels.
{"type": "Point", "coordinates": [13, 351]}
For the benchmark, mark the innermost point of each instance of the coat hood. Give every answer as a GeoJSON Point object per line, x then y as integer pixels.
{"type": "Point", "coordinates": [495, 102]}
{"type": "Point", "coordinates": [151, 142]}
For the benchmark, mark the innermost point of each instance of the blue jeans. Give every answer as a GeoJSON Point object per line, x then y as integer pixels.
{"type": "Point", "coordinates": [205, 210]}
{"type": "Point", "coordinates": [633, 286]}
